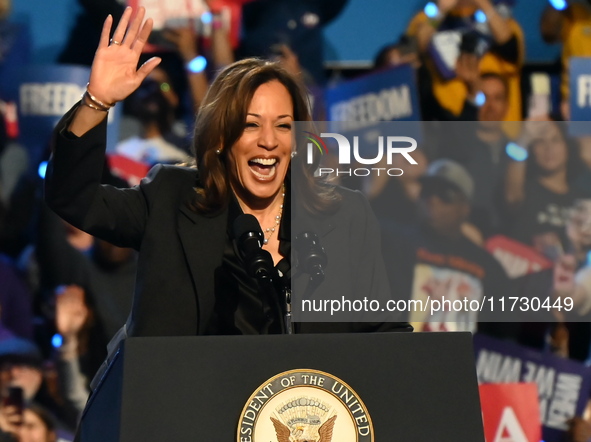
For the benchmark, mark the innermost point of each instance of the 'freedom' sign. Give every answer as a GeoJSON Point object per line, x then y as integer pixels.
{"type": "Point", "coordinates": [389, 95]}
{"type": "Point", "coordinates": [43, 94]}
{"type": "Point", "coordinates": [580, 94]}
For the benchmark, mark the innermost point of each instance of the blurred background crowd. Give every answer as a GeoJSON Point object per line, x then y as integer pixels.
{"type": "Point", "coordinates": [499, 203]}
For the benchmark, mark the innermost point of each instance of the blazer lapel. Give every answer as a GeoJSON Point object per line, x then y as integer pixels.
{"type": "Point", "coordinates": [203, 239]}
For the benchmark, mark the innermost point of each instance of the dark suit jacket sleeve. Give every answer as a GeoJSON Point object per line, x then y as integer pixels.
{"type": "Point", "coordinates": [74, 192]}
{"type": "Point", "coordinates": [371, 277]}
{"type": "Point", "coordinates": [371, 280]}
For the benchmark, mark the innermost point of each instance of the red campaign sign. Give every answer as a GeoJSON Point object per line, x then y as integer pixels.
{"type": "Point", "coordinates": [176, 13]}
{"type": "Point", "coordinates": [510, 412]}
{"type": "Point", "coordinates": [130, 170]}
{"type": "Point", "coordinates": [517, 259]}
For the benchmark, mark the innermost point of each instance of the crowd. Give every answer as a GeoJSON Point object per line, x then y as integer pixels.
{"type": "Point", "coordinates": [497, 158]}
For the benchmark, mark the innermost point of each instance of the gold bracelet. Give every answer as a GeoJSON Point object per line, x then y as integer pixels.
{"type": "Point", "coordinates": [90, 105]}
{"type": "Point", "coordinates": [96, 101]}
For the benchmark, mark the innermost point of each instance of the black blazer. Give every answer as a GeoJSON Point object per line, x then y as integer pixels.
{"type": "Point", "coordinates": [180, 250]}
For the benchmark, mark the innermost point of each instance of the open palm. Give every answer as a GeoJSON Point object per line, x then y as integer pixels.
{"type": "Point", "coordinates": [114, 74]}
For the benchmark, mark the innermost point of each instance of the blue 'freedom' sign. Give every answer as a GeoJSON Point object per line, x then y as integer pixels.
{"type": "Point", "coordinates": [43, 94]}
{"type": "Point", "coordinates": [580, 94]}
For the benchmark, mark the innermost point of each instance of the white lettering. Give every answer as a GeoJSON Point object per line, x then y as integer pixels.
{"type": "Point", "coordinates": [493, 367]}
{"type": "Point", "coordinates": [509, 429]}
{"type": "Point", "coordinates": [584, 90]}
{"type": "Point", "coordinates": [365, 110]}
{"type": "Point", "coordinates": [564, 403]}
{"type": "Point", "coordinates": [48, 99]}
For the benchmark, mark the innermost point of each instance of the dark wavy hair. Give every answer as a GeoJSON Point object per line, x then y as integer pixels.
{"type": "Point", "coordinates": [46, 417]}
{"type": "Point", "coordinates": [573, 159]}
{"type": "Point", "coordinates": [221, 120]}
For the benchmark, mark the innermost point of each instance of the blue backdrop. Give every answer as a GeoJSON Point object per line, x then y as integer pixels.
{"type": "Point", "coordinates": [382, 21]}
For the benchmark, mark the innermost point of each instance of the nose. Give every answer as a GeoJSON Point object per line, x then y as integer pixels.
{"type": "Point", "coordinates": [267, 137]}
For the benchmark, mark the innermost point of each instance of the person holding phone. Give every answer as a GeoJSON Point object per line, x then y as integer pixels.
{"type": "Point", "coordinates": [11, 414]}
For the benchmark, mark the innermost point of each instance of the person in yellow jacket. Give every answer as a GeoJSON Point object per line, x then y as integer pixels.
{"type": "Point", "coordinates": [504, 52]}
{"type": "Point", "coordinates": [571, 25]}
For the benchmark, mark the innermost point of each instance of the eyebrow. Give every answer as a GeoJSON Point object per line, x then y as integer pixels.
{"type": "Point", "coordinates": [278, 116]}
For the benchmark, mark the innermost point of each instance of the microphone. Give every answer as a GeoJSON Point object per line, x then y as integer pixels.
{"type": "Point", "coordinates": [311, 255]}
{"type": "Point", "coordinates": [249, 238]}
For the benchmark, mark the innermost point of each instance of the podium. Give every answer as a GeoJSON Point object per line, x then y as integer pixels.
{"type": "Point", "coordinates": [416, 387]}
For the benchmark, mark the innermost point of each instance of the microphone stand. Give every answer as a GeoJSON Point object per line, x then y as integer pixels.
{"type": "Point", "coordinates": [267, 287]}
{"type": "Point", "coordinates": [312, 258]}
{"type": "Point", "coordinates": [259, 264]}
{"type": "Point", "coordinates": [287, 319]}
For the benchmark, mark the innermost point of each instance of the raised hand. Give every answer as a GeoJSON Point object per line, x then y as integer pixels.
{"type": "Point", "coordinates": [71, 312]}
{"type": "Point", "coordinates": [446, 5]}
{"type": "Point", "coordinates": [114, 74]}
{"type": "Point", "coordinates": [468, 71]}
{"type": "Point", "coordinates": [11, 419]}
{"type": "Point", "coordinates": [185, 40]}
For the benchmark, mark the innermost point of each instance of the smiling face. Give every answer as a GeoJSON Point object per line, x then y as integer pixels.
{"type": "Point", "coordinates": [258, 161]}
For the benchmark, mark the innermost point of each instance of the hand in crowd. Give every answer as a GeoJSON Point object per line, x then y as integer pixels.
{"type": "Point", "coordinates": [289, 60]}
{"type": "Point", "coordinates": [185, 40]}
{"type": "Point", "coordinates": [579, 430]}
{"type": "Point", "coordinates": [564, 274]}
{"type": "Point", "coordinates": [71, 312]}
{"type": "Point", "coordinates": [483, 5]}
{"type": "Point", "coordinates": [533, 128]}
{"type": "Point", "coordinates": [446, 5]}
{"type": "Point", "coordinates": [11, 419]}
{"type": "Point", "coordinates": [579, 227]}
{"type": "Point", "coordinates": [565, 285]}
{"type": "Point", "coordinates": [565, 110]}
{"type": "Point", "coordinates": [114, 74]}
{"type": "Point", "coordinates": [468, 71]}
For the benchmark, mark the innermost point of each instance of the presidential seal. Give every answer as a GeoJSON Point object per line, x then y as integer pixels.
{"type": "Point", "coordinates": [305, 406]}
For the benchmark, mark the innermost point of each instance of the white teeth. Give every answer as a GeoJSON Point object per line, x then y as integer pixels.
{"type": "Point", "coordinates": [264, 161]}
{"type": "Point", "coordinates": [264, 177]}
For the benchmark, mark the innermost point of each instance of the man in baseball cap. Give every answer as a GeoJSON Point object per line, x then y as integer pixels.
{"type": "Point", "coordinates": [446, 196]}
{"type": "Point", "coordinates": [434, 259]}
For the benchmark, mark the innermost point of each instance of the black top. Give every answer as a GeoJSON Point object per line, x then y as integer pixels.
{"type": "Point", "coordinates": [542, 212]}
{"type": "Point", "coordinates": [241, 306]}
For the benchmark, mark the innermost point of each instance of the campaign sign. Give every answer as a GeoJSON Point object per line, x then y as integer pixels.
{"type": "Point", "coordinates": [130, 170]}
{"type": "Point", "coordinates": [563, 384]}
{"type": "Point", "coordinates": [517, 259]}
{"type": "Point", "coordinates": [357, 106]}
{"type": "Point", "coordinates": [580, 94]}
{"type": "Point", "coordinates": [43, 94]}
{"type": "Point", "coordinates": [510, 412]}
{"type": "Point", "coordinates": [194, 13]}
